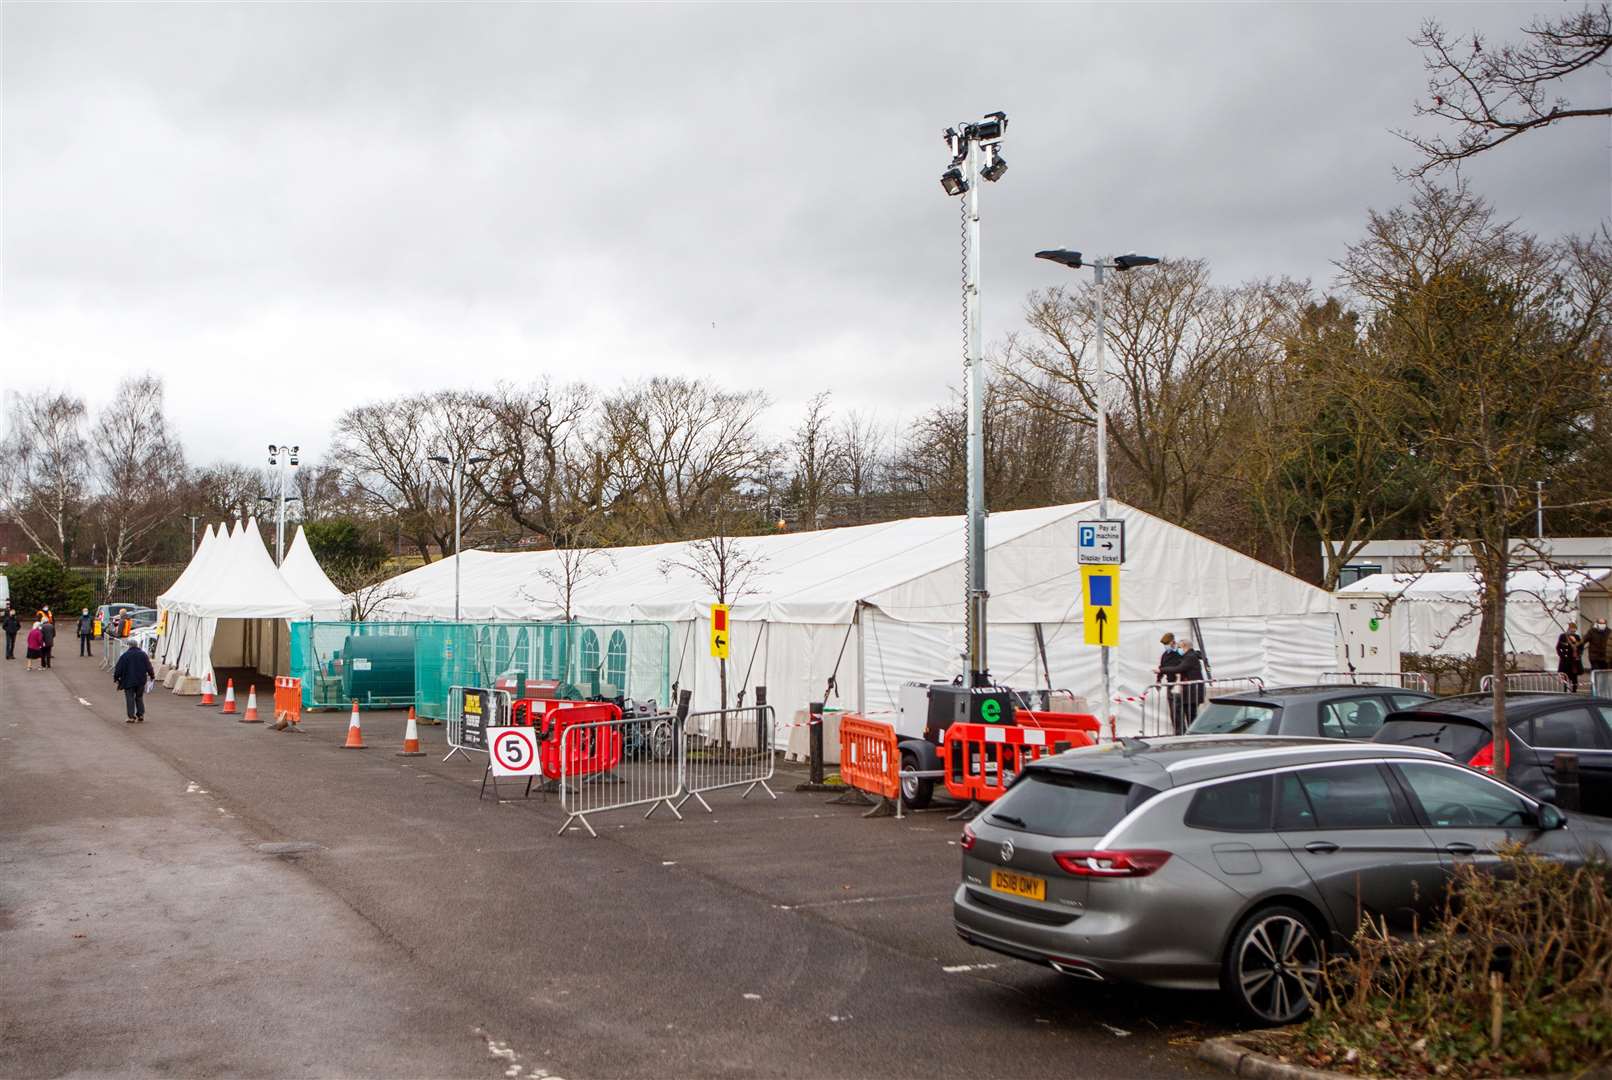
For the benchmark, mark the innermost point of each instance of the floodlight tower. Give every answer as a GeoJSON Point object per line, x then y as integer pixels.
{"type": "Point", "coordinates": [283, 459]}
{"type": "Point", "coordinates": [969, 143]}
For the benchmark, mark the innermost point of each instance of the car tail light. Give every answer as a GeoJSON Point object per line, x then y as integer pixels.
{"type": "Point", "coordinates": [1483, 761]}
{"type": "Point", "coordinates": [967, 841]}
{"type": "Point", "coordinates": [1136, 863]}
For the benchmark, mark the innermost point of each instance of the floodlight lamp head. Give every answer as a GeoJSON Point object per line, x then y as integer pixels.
{"type": "Point", "coordinates": [995, 164]}
{"type": "Point", "coordinates": [952, 182]}
{"type": "Point", "coordinates": [993, 127]}
{"type": "Point", "coordinates": [1133, 261]}
{"type": "Point", "coordinates": [1063, 257]}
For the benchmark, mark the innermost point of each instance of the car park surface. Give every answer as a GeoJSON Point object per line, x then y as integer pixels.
{"type": "Point", "coordinates": [1202, 862]}
{"type": "Point", "coordinates": [1328, 712]}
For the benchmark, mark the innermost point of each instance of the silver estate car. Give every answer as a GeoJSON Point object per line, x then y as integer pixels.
{"type": "Point", "coordinates": [1205, 862]}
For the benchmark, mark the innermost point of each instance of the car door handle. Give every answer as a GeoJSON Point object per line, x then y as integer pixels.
{"type": "Point", "coordinates": [1321, 847]}
{"type": "Point", "coordinates": [1461, 847]}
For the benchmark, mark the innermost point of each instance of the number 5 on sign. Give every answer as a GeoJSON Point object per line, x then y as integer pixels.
{"type": "Point", "coordinates": [719, 631]}
{"type": "Point", "coordinates": [1099, 591]}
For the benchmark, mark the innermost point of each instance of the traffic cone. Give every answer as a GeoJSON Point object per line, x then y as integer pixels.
{"type": "Point", "coordinates": [229, 698]}
{"type": "Point", "coordinates": [207, 691]}
{"type": "Point", "coordinates": [411, 739]}
{"type": "Point", "coordinates": [355, 734]}
{"type": "Point", "coordinates": [251, 716]}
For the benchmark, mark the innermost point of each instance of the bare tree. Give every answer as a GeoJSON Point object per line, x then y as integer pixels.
{"type": "Point", "coordinates": [729, 568]}
{"type": "Point", "coordinates": [224, 490]}
{"type": "Point", "coordinates": [1492, 95]}
{"type": "Point", "coordinates": [864, 445]}
{"type": "Point", "coordinates": [818, 459]}
{"type": "Point", "coordinates": [44, 485]}
{"type": "Point", "coordinates": [367, 585]}
{"type": "Point", "coordinates": [321, 492]}
{"type": "Point", "coordinates": [136, 467]}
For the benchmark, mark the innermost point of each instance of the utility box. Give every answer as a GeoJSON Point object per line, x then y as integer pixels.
{"type": "Point", "coordinates": [951, 704]}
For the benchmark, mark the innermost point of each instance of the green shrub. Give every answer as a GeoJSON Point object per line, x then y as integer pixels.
{"type": "Point", "coordinates": [42, 580]}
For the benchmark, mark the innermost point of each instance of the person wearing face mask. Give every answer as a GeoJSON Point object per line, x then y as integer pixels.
{"type": "Point", "coordinates": [1598, 645]}
{"type": "Point", "coordinates": [1570, 655]}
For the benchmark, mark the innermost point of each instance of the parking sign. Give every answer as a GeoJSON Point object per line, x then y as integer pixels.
{"type": "Point", "coordinates": [1100, 543]}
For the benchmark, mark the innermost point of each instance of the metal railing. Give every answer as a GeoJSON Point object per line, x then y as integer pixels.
{"type": "Point", "coordinates": [1405, 680]}
{"type": "Point", "coordinates": [1169, 708]}
{"type": "Point", "coordinates": [744, 759]}
{"type": "Point", "coordinates": [597, 777]}
{"type": "Point", "coordinates": [1601, 682]}
{"type": "Point", "coordinates": [1526, 682]}
{"type": "Point", "coordinates": [467, 738]}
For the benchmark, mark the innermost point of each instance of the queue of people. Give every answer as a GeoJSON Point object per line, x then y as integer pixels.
{"type": "Point", "coordinates": [39, 643]}
{"type": "Point", "coordinates": [1574, 651]}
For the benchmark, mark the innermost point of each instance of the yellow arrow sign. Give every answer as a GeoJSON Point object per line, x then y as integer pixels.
{"type": "Point", "coordinates": [1099, 591]}
{"type": "Point", "coordinates": [719, 631]}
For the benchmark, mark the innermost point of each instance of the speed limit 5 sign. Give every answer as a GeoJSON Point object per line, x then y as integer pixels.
{"type": "Point", "coordinates": [512, 751]}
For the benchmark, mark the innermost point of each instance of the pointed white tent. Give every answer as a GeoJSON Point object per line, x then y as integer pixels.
{"type": "Point", "coordinates": [173, 623]}
{"type": "Point", "coordinates": [308, 580]}
{"type": "Point", "coordinates": [877, 605]}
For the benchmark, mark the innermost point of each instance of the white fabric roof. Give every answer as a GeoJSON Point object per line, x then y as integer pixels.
{"type": "Point", "coordinates": [307, 579]}
{"type": "Point", "coordinates": [1463, 586]}
{"type": "Point", "coordinates": [911, 570]}
{"type": "Point", "coordinates": [240, 581]}
{"type": "Point", "coordinates": [198, 560]}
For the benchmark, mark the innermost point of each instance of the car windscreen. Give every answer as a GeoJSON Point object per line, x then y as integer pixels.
{"type": "Point", "coordinates": [1446, 734]}
{"type": "Point", "coordinates": [1055, 802]}
{"type": "Point", "coordinates": [1236, 718]}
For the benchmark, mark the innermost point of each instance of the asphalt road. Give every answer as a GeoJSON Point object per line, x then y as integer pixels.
{"type": "Point", "coordinates": [193, 896]}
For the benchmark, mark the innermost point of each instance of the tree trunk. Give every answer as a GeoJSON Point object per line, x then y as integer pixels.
{"type": "Point", "coordinates": [1495, 587]}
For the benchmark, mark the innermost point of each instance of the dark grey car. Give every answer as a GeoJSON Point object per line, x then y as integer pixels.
{"type": "Point", "coordinates": [1326, 712]}
{"type": "Point", "coordinates": [1206, 861]}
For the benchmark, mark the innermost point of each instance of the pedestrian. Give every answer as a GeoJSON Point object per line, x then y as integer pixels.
{"type": "Point", "coordinates": [131, 675]}
{"type": "Point", "coordinates": [36, 646]}
{"type": "Point", "coordinates": [1172, 696]}
{"type": "Point", "coordinates": [86, 630]}
{"type": "Point", "coordinates": [1570, 655]}
{"type": "Point", "coordinates": [1598, 645]}
{"type": "Point", "coordinates": [10, 624]}
{"type": "Point", "coordinates": [47, 630]}
{"type": "Point", "coordinates": [1187, 667]}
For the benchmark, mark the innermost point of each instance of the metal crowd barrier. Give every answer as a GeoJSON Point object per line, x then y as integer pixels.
{"type": "Point", "coordinates": [744, 758]}
{"type": "Point", "coordinates": [1170, 708]}
{"type": "Point", "coordinates": [1601, 683]}
{"type": "Point", "coordinates": [1525, 682]}
{"type": "Point", "coordinates": [1405, 680]}
{"type": "Point", "coordinates": [462, 738]}
{"type": "Point", "coordinates": [597, 776]}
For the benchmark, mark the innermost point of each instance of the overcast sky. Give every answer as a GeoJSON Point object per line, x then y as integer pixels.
{"type": "Point", "coordinates": [287, 210]}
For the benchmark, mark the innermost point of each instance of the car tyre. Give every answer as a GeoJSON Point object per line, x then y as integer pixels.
{"type": "Point", "coordinates": [1272, 968]}
{"type": "Point", "coordinates": [915, 793]}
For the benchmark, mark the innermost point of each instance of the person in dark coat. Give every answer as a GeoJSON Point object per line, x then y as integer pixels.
{"type": "Point", "coordinates": [10, 624]}
{"type": "Point", "coordinates": [131, 674]}
{"type": "Point", "coordinates": [1171, 698]}
{"type": "Point", "coordinates": [1569, 655]}
{"type": "Point", "coordinates": [1598, 645]}
{"type": "Point", "coordinates": [86, 630]}
{"type": "Point", "coordinates": [1186, 668]}
{"type": "Point", "coordinates": [47, 630]}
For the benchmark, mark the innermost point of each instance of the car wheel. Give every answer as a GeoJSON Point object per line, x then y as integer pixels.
{"type": "Point", "coordinates": [915, 793]}
{"type": "Point", "coordinates": [1272, 969]}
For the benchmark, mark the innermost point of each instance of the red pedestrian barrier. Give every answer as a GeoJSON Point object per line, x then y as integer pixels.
{"type": "Point", "coordinates": [1050, 721]}
{"type": "Point", "coordinates": [870, 759]}
{"type": "Point", "coordinates": [287, 702]}
{"type": "Point", "coordinates": [592, 750]}
{"type": "Point", "coordinates": [981, 760]}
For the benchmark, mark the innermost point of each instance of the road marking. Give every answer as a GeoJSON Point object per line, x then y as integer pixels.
{"type": "Point", "coordinates": [86, 704]}
{"type": "Point", "coordinates": [752, 997]}
{"type": "Point", "coordinates": [1112, 1030]}
{"type": "Point", "coordinates": [853, 900]}
{"type": "Point", "coordinates": [957, 969]}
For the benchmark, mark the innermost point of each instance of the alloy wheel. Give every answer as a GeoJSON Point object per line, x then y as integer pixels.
{"type": "Point", "coordinates": [1278, 968]}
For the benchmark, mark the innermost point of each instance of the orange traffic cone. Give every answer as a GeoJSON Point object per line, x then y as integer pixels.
{"type": "Point", "coordinates": [207, 691]}
{"type": "Point", "coordinates": [355, 734]}
{"type": "Point", "coordinates": [251, 716]}
{"type": "Point", "coordinates": [411, 739]}
{"type": "Point", "coordinates": [229, 698]}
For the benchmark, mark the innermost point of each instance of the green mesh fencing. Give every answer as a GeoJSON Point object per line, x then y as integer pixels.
{"type": "Point", "coordinates": [386, 665]}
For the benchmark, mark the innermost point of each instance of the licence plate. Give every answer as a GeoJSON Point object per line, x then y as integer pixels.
{"type": "Point", "coordinates": [1025, 885]}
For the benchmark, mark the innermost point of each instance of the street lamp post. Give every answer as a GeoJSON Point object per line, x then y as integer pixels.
{"type": "Point", "coordinates": [1121, 263]}
{"type": "Point", "coordinates": [457, 465]}
{"type": "Point", "coordinates": [969, 143]}
{"type": "Point", "coordinates": [289, 454]}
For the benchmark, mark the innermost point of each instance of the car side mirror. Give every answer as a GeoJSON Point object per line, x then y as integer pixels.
{"type": "Point", "coordinates": [1550, 818]}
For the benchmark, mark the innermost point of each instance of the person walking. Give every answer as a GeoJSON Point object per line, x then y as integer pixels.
{"type": "Point", "coordinates": [10, 624]}
{"type": "Point", "coordinates": [86, 630]}
{"type": "Point", "coordinates": [1570, 655]}
{"type": "Point", "coordinates": [36, 646]}
{"type": "Point", "coordinates": [1187, 668]}
{"type": "Point", "coordinates": [132, 673]}
{"type": "Point", "coordinates": [1598, 645]}
{"type": "Point", "coordinates": [47, 630]}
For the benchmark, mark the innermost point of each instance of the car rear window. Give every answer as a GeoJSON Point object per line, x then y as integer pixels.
{"type": "Point", "coordinates": [1460, 741]}
{"type": "Point", "coordinates": [1236, 717]}
{"type": "Point", "coordinates": [1054, 802]}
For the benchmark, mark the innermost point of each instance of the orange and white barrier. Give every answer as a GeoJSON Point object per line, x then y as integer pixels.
{"type": "Point", "coordinates": [870, 759]}
{"type": "Point", "coordinates": [287, 703]}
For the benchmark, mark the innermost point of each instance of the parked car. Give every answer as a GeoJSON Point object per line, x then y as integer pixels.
{"type": "Point", "coordinates": [1328, 712]}
{"type": "Point", "coordinates": [108, 612]}
{"type": "Point", "coordinates": [1541, 725]}
{"type": "Point", "coordinates": [1199, 862]}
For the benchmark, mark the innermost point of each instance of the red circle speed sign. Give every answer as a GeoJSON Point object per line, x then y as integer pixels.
{"type": "Point", "coordinates": [515, 751]}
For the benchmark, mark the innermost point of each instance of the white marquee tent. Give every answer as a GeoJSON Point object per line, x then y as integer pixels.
{"type": "Point", "coordinates": [1436, 613]}
{"type": "Point", "coordinates": [878, 605]}
{"type": "Point", "coordinates": [229, 607]}
{"type": "Point", "coordinates": [308, 580]}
